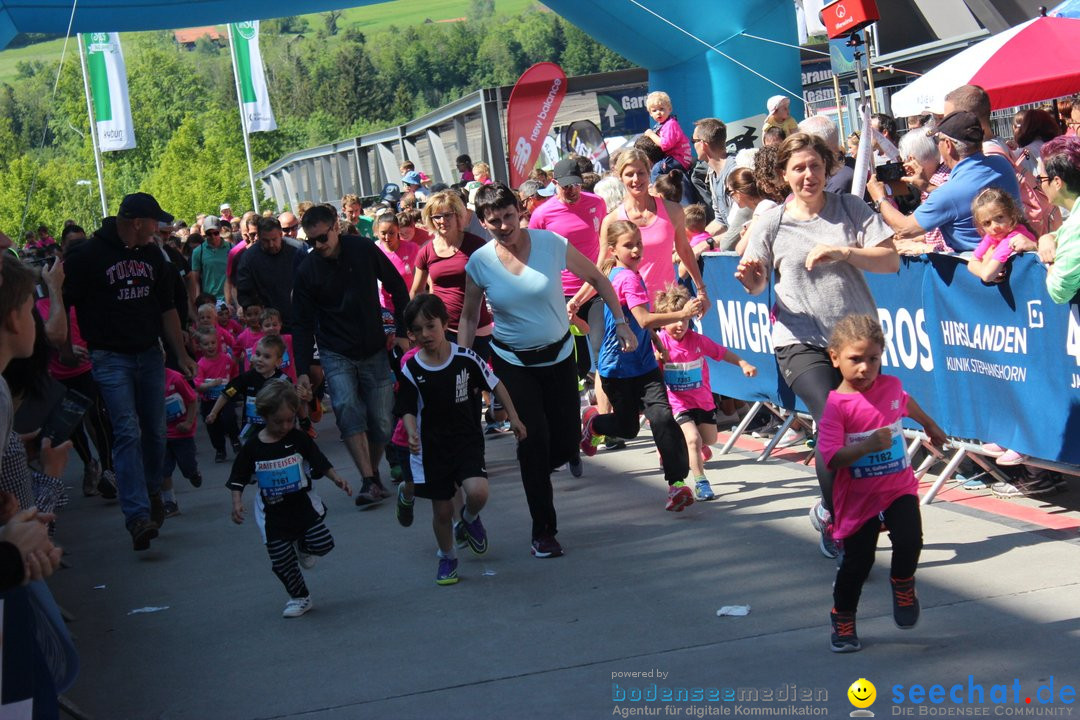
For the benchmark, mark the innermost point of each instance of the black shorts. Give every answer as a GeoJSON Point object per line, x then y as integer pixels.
{"type": "Point", "coordinates": [697, 416]}
{"type": "Point", "coordinates": [794, 360]}
{"type": "Point", "coordinates": [444, 473]}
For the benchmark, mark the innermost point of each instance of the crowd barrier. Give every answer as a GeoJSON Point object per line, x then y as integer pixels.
{"type": "Point", "coordinates": [1000, 363]}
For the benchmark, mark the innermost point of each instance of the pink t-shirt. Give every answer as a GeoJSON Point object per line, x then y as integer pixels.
{"type": "Point", "coordinates": [233, 327]}
{"type": "Point", "coordinates": [874, 481]}
{"type": "Point", "coordinates": [233, 258]}
{"type": "Point", "coordinates": [578, 223]}
{"type": "Point", "coordinates": [686, 373]}
{"type": "Point", "coordinates": [247, 339]}
{"type": "Point", "coordinates": [673, 142]}
{"type": "Point", "coordinates": [699, 238]}
{"type": "Point", "coordinates": [57, 369]}
{"type": "Point", "coordinates": [226, 343]}
{"type": "Point", "coordinates": [658, 243]}
{"type": "Point", "coordinates": [1000, 248]}
{"type": "Point", "coordinates": [178, 395]}
{"type": "Point", "coordinates": [404, 259]}
{"type": "Point", "coordinates": [447, 277]}
{"type": "Point", "coordinates": [221, 367]}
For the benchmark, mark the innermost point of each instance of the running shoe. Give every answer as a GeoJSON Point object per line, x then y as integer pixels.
{"type": "Point", "coordinates": [306, 561]}
{"type": "Point", "coordinates": [404, 508]}
{"type": "Point", "coordinates": [905, 603]}
{"type": "Point", "coordinates": [576, 468]}
{"type": "Point", "coordinates": [1027, 488]}
{"type": "Point", "coordinates": [475, 535]}
{"type": "Point", "coordinates": [587, 434]}
{"type": "Point", "coordinates": [703, 490]}
{"type": "Point", "coordinates": [172, 508]}
{"type": "Point", "coordinates": [296, 607]}
{"type": "Point", "coordinates": [791, 437]}
{"type": "Point", "coordinates": [679, 497]}
{"type": "Point", "coordinates": [369, 493]}
{"type": "Point", "coordinates": [843, 638]}
{"type": "Point", "coordinates": [976, 483]}
{"type": "Point", "coordinates": [1011, 457]}
{"type": "Point", "coordinates": [993, 449]}
{"type": "Point", "coordinates": [142, 532]}
{"type": "Point", "coordinates": [611, 442]}
{"type": "Point", "coordinates": [461, 537]}
{"type": "Point", "coordinates": [447, 571]}
{"type": "Point", "coordinates": [706, 453]}
{"type": "Point", "coordinates": [546, 546]}
{"type": "Point", "coordinates": [196, 479]}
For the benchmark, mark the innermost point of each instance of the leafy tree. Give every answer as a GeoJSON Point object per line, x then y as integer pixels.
{"type": "Point", "coordinates": [331, 20]}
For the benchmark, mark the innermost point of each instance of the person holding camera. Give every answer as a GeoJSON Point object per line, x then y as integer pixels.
{"type": "Point", "coordinates": [818, 244]}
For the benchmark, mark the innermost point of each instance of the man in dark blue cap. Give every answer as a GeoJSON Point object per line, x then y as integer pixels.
{"type": "Point", "coordinates": [123, 298]}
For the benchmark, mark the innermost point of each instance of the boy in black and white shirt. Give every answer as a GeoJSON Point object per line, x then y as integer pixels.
{"type": "Point", "coordinates": [439, 402]}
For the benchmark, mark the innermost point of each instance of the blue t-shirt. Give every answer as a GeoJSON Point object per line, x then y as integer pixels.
{"type": "Point", "coordinates": [949, 207]}
{"type": "Point", "coordinates": [529, 309]}
{"type": "Point", "coordinates": [613, 362]}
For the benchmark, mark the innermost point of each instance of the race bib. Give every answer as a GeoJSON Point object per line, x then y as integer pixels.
{"type": "Point", "coordinates": [684, 376]}
{"type": "Point", "coordinates": [885, 462]}
{"type": "Point", "coordinates": [174, 408]}
{"type": "Point", "coordinates": [281, 476]}
{"type": "Point", "coordinates": [285, 360]}
{"type": "Point", "coordinates": [251, 415]}
{"type": "Point", "coordinates": [214, 392]}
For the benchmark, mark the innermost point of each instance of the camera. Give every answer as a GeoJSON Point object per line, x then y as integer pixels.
{"type": "Point", "coordinates": [890, 172]}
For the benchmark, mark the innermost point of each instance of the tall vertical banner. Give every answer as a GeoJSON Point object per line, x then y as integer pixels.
{"type": "Point", "coordinates": [250, 76]}
{"type": "Point", "coordinates": [530, 112]}
{"type": "Point", "coordinates": [107, 77]}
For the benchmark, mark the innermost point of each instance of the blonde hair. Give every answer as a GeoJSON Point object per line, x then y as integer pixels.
{"type": "Point", "coordinates": [615, 231]}
{"type": "Point", "coordinates": [695, 217]}
{"type": "Point", "coordinates": [441, 202]}
{"type": "Point", "coordinates": [481, 168]}
{"type": "Point", "coordinates": [658, 98]}
{"type": "Point", "coordinates": [630, 156]}
{"type": "Point", "coordinates": [672, 298]}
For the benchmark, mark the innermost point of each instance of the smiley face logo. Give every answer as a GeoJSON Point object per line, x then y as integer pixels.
{"type": "Point", "coordinates": [862, 693]}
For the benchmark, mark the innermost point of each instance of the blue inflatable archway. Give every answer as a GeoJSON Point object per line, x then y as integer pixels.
{"type": "Point", "coordinates": [701, 81]}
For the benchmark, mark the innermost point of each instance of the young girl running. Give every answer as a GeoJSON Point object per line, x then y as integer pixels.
{"type": "Point", "coordinates": [860, 438]}
{"type": "Point", "coordinates": [632, 379]}
{"type": "Point", "coordinates": [1000, 219]}
{"type": "Point", "coordinates": [439, 403]}
{"type": "Point", "coordinates": [686, 375]}
{"type": "Point", "coordinates": [289, 516]}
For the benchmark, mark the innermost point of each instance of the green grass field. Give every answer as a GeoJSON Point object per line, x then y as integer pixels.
{"type": "Point", "coordinates": [366, 18]}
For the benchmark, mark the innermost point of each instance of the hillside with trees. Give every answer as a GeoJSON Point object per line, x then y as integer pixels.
{"type": "Point", "coordinates": [328, 80]}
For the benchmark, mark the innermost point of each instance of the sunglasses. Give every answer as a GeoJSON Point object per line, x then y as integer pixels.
{"type": "Point", "coordinates": [212, 232]}
{"type": "Point", "coordinates": [320, 239]}
{"type": "Point", "coordinates": [289, 229]}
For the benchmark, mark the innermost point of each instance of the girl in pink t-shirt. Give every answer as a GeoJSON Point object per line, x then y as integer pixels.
{"type": "Point", "coordinates": [400, 252]}
{"type": "Point", "coordinates": [860, 438]}
{"type": "Point", "coordinates": [686, 375]}
{"type": "Point", "coordinates": [1000, 219]}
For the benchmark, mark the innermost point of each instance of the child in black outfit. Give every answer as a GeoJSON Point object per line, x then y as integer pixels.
{"type": "Point", "coordinates": [265, 362]}
{"type": "Point", "coordinates": [288, 514]}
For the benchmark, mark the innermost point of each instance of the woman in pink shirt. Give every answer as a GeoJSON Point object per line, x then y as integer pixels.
{"type": "Point", "coordinates": [662, 224]}
{"type": "Point", "coordinates": [402, 253]}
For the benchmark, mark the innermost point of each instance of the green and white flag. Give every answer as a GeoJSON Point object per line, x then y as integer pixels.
{"type": "Point", "coordinates": [250, 77]}
{"type": "Point", "coordinates": [107, 77]}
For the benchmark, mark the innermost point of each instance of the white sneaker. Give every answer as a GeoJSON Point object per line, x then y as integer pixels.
{"type": "Point", "coordinates": [306, 561]}
{"type": "Point", "coordinates": [791, 437]}
{"type": "Point", "coordinates": [296, 607]}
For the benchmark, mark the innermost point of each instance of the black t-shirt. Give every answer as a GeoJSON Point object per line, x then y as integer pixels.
{"type": "Point", "coordinates": [278, 469]}
{"type": "Point", "coordinates": [247, 385]}
{"type": "Point", "coordinates": [445, 400]}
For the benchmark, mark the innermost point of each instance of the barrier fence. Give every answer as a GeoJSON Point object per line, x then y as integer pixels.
{"type": "Point", "coordinates": [1000, 363]}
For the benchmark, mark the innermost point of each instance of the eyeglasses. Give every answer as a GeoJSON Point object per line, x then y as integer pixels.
{"type": "Point", "coordinates": [1042, 179]}
{"type": "Point", "coordinates": [443, 217]}
{"type": "Point", "coordinates": [289, 229]}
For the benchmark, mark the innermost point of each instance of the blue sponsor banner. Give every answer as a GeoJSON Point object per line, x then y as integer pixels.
{"type": "Point", "coordinates": [999, 363]}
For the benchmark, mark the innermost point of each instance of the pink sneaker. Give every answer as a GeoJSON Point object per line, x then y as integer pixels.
{"type": "Point", "coordinates": [587, 434]}
{"type": "Point", "coordinates": [1011, 457]}
{"type": "Point", "coordinates": [679, 497]}
{"type": "Point", "coordinates": [706, 453]}
{"type": "Point", "coordinates": [993, 449]}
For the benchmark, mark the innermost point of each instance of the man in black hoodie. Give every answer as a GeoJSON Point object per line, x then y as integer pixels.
{"type": "Point", "coordinates": [124, 300]}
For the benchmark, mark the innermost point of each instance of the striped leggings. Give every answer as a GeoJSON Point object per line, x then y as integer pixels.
{"type": "Point", "coordinates": [285, 564]}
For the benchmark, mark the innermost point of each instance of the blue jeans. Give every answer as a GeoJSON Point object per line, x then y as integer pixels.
{"type": "Point", "coordinates": [362, 392]}
{"type": "Point", "coordinates": [133, 386]}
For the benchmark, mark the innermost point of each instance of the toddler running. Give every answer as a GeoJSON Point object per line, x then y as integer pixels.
{"type": "Point", "coordinates": [860, 438]}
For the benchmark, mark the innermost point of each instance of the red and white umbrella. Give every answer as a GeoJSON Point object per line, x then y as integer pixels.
{"type": "Point", "coordinates": [1034, 61]}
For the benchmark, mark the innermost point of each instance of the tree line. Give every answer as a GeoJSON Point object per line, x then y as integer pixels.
{"type": "Point", "coordinates": [326, 84]}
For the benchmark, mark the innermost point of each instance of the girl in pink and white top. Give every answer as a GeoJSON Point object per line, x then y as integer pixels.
{"type": "Point", "coordinates": [1001, 220]}
{"type": "Point", "coordinates": [402, 253]}
{"type": "Point", "coordinates": [860, 438]}
{"type": "Point", "coordinates": [662, 225]}
{"type": "Point", "coordinates": [686, 375]}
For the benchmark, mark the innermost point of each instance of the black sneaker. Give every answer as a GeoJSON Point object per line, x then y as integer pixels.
{"type": "Point", "coordinates": [843, 638]}
{"type": "Point", "coordinates": [613, 443]}
{"type": "Point", "coordinates": [404, 508]}
{"type": "Point", "coordinates": [575, 466]}
{"type": "Point", "coordinates": [196, 479]}
{"type": "Point", "coordinates": [157, 509]}
{"type": "Point", "coordinates": [905, 603]}
{"type": "Point", "coordinates": [142, 532]}
{"type": "Point", "coordinates": [369, 493]}
{"type": "Point", "coordinates": [235, 446]}
{"type": "Point", "coordinates": [106, 486]}
{"type": "Point", "coordinates": [172, 508]}
{"type": "Point", "coordinates": [546, 546]}
{"type": "Point", "coordinates": [219, 456]}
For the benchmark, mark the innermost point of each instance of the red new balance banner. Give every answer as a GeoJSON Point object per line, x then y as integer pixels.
{"type": "Point", "coordinates": [534, 101]}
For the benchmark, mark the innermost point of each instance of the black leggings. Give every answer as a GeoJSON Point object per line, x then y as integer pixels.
{"type": "Point", "coordinates": [904, 523]}
{"type": "Point", "coordinates": [96, 421]}
{"type": "Point", "coordinates": [810, 374]}
{"type": "Point", "coordinates": [628, 397]}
